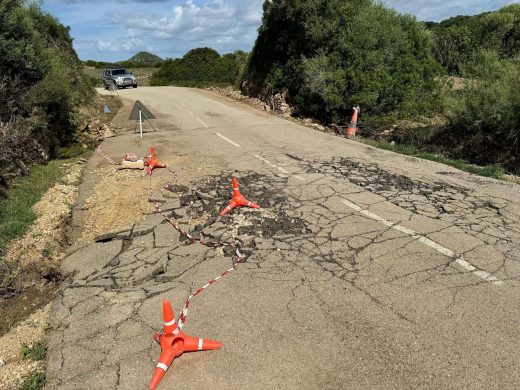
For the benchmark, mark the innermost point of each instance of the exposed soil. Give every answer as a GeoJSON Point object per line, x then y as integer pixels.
{"type": "Point", "coordinates": [121, 198]}
{"type": "Point", "coordinates": [36, 256]}
{"type": "Point", "coordinates": [38, 253]}
{"type": "Point", "coordinates": [12, 365]}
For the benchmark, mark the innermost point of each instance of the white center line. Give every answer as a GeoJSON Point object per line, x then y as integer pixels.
{"type": "Point", "coordinates": [459, 260]}
{"type": "Point", "coordinates": [189, 111]}
{"type": "Point", "coordinates": [280, 169]}
{"type": "Point", "coordinates": [228, 140]}
{"type": "Point", "coordinates": [202, 123]}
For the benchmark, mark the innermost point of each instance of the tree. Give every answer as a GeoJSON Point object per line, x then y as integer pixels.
{"type": "Point", "coordinates": [332, 54]}
{"type": "Point", "coordinates": [41, 73]}
{"type": "Point", "coordinates": [202, 67]}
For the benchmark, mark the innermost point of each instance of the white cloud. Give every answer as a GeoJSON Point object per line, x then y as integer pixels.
{"type": "Point", "coordinates": [129, 45]}
{"type": "Point", "coordinates": [225, 25]}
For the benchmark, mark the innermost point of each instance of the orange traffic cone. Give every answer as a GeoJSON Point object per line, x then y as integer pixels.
{"type": "Point", "coordinates": [238, 200]}
{"type": "Point", "coordinates": [174, 343]}
{"type": "Point", "coordinates": [152, 162]}
{"type": "Point", "coordinates": [351, 131]}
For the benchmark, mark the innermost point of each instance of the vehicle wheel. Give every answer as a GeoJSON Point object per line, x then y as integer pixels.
{"type": "Point", "coordinates": [135, 86]}
{"type": "Point", "coordinates": [106, 86]}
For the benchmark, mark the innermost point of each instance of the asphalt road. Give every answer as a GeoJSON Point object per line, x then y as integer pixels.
{"type": "Point", "coordinates": [366, 269]}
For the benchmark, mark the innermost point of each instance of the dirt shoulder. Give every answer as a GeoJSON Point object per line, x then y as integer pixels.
{"type": "Point", "coordinates": [36, 256]}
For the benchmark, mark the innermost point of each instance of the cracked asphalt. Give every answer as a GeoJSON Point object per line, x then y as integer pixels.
{"type": "Point", "coordinates": [363, 270]}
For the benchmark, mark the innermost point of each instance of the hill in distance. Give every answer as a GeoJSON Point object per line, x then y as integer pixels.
{"type": "Point", "coordinates": [142, 59]}
{"type": "Point", "coordinates": [145, 58]}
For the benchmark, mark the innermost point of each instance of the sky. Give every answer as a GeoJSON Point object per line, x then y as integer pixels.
{"type": "Point", "coordinates": [114, 30]}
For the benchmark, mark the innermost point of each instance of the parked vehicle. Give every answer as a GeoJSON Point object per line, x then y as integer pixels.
{"type": "Point", "coordinates": [122, 78]}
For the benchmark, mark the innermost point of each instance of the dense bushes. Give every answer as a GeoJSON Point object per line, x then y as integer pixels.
{"type": "Point", "coordinates": [200, 68]}
{"type": "Point", "coordinates": [457, 40]}
{"type": "Point", "coordinates": [332, 54]}
{"type": "Point", "coordinates": [41, 78]}
{"type": "Point", "coordinates": [484, 117]}
{"type": "Point", "coordinates": [329, 55]}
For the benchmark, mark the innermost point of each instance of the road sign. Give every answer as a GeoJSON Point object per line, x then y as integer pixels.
{"type": "Point", "coordinates": [146, 113]}
{"type": "Point", "coordinates": [138, 113]}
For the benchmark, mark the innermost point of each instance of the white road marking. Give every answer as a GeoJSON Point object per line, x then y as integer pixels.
{"type": "Point", "coordinates": [189, 111]}
{"type": "Point", "coordinates": [228, 140]}
{"type": "Point", "coordinates": [459, 260]}
{"type": "Point", "coordinates": [202, 123]}
{"type": "Point", "coordinates": [280, 169]}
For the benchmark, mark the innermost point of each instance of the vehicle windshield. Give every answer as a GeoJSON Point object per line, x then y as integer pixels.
{"type": "Point", "coordinates": [117, 72]}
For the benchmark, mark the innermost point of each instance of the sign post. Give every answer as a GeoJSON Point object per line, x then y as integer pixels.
{"type": "Point", "coordinates": [141, 123]}
{"type": "Point", "coordinates": [140, 112]}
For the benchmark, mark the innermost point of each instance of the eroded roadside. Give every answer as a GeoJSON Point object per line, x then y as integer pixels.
{"type": "Point", "coordinates": [32, 274]}
{"type": "Point", "coordinates": [37, 256]}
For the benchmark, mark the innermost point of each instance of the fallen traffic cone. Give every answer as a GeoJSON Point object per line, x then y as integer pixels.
{"type": "Point", "coordinates": [238, 200]}
{"type": "Point", "coordinates": [351, 131]}
{"type": "Point", "coordinates": [153, 163]}
{"type": "Point", "coordinates": [174, 343]}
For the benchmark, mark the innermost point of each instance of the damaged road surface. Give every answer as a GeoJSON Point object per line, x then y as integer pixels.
{"type": "Point", "coordinates": [363, 269]}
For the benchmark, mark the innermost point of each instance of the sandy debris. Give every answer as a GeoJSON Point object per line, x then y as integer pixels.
{"type": "Point", "coordinates": [12, 366]}
{"type": "Point", "coordinates": [120, 199]}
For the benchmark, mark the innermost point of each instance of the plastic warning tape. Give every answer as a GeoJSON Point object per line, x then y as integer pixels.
{"type": "Point", "coordinates": [108, 158]}
{"type": "Point", "coordinates": [237, 258]}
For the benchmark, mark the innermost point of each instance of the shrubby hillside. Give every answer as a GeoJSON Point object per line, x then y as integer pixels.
{"type": "Point", "coordinates": [330, 55]}
{"type": "Point", "coordinates": [41, 80]}
{"type": "Point", "coordinates": [460, 39]}
{"type": "Point", "coordinates": [200, 68]}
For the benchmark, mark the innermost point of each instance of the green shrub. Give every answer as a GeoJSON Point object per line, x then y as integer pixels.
{"type": "Point", "coordinates": [36, 353]}
{"type": "Point", "coordinates": [35, 380]}
{"type": "Point", "coordinates": [458, 39]}
{"type": "Point", "coordinates": [41, 75]}
{"type": "Point", "coordinates": [202, 68]}
{"type": "Point", "coordinates": [484, 118]}
{"type": "Point", "coordinates": [330, 55]}
{"type": "Point", "coordinates": [67, 152]}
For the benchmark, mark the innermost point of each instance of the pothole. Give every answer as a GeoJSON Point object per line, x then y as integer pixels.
{"type": "Point", "coordinates": [206, 199]}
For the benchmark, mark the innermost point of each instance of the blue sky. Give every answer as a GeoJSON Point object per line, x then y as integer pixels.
{"type": "Point", "coordinates": [113, 30]}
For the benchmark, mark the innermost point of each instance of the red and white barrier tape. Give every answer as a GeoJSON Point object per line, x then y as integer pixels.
{"type": "Point", "coordinates": [108, 158]}
{"type": "Point", "coordinates": [237, 257]}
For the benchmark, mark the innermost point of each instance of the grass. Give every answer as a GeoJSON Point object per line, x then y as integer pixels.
{"type": "Point", "coordinates": [35, 353]}
{"type": "Point", "coordinates": [35, 380]}
{"type": "Point", "coordinates": [493, 171]}
{"type": "Point", "coordinates": [16, 214]}
{"type": "Point", "coordinates": [70, 152]}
